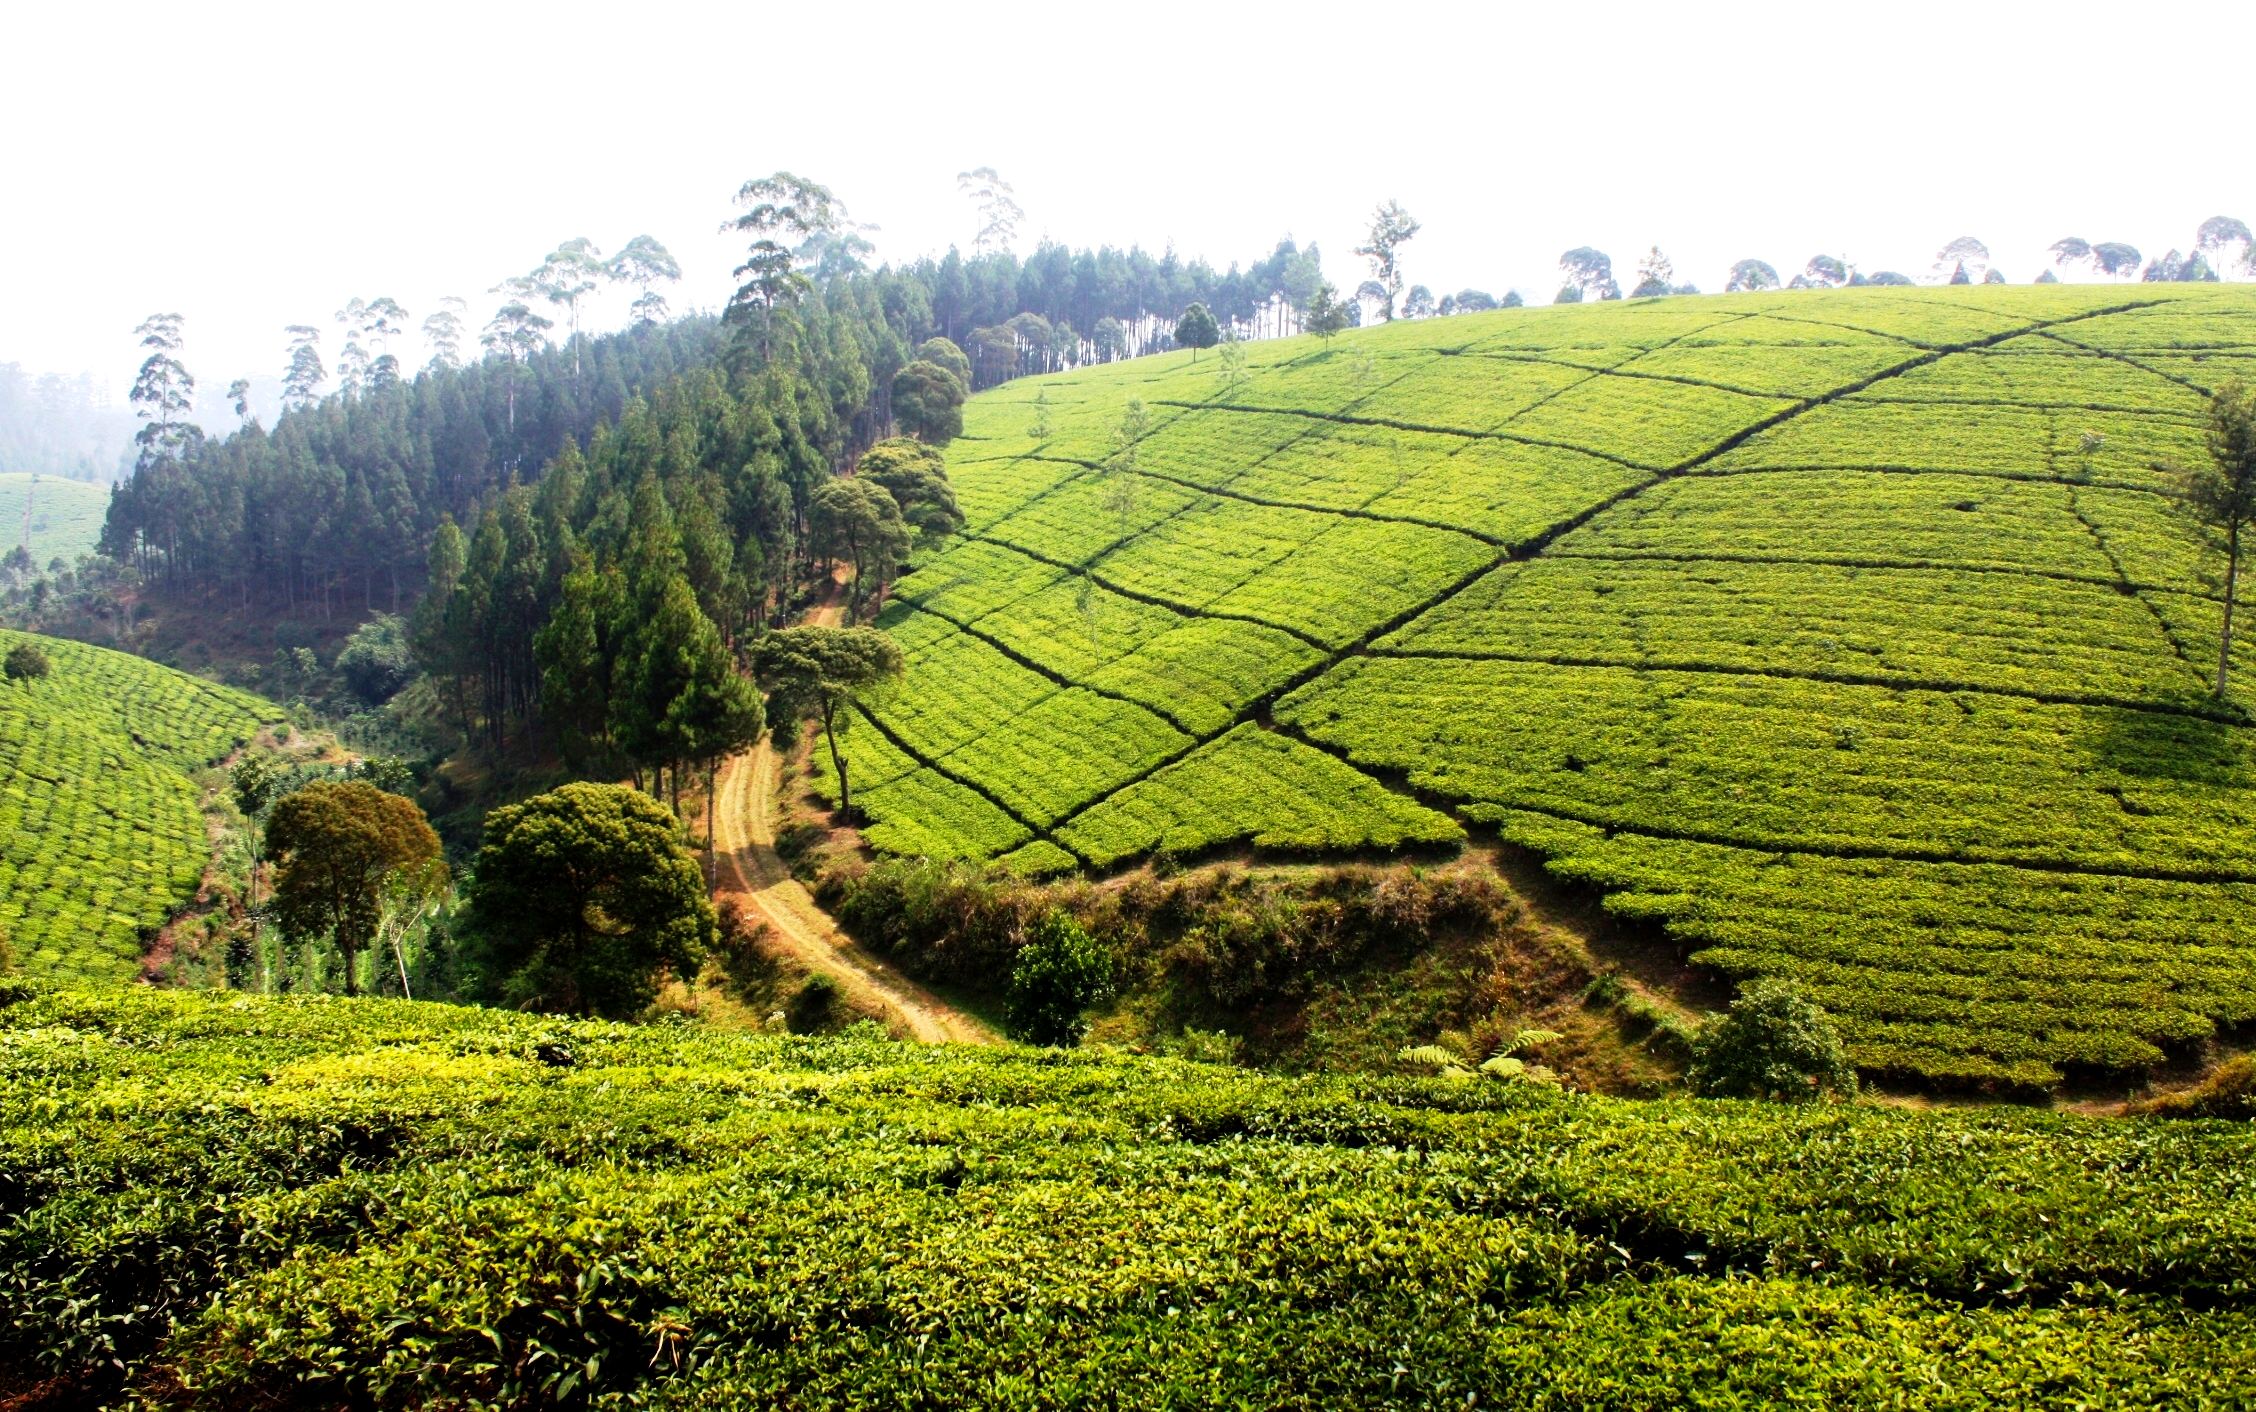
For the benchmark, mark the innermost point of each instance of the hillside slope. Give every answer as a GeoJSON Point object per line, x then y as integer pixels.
{"type": "Point", "coordinates": [322, 1203]}
{"type": "Point", "coordinates": [1852, 635]}
{"type": "Point", "coordinates": [53, 517]}
{"type": "Point", "coordinates": [101, 836]}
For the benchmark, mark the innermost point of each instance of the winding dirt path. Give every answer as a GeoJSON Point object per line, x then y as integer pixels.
{"type": "Point", "coordinates": [751, 872]}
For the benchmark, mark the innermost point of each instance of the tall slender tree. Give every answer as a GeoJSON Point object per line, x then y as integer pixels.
{"type": "Point", "coordinates": [442, 330]}
{"type": "Point", "coordinates": [163, 391]}
{"type": "Point", "coordinates": [645, 264]}
{"type": "Point", "coordinates": [301, 381]}
{"type": "Point", "coordinates": [2221, 494]}
{"type": "Point", "coordinates": [1391, 228]}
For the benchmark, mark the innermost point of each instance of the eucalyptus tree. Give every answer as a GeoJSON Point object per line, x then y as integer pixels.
{"type": "Point", "coordinates": [2112, 258]}
{"type": "Point", "coordinates": [2218, 233]}
{"type": "Point", "coordinates": [779, 208]}
{"type": "Point", "coordinates": [514, 334]}
{"type": "Point", "coordinates": [1655, 273]}
{"type": "Point", "coordinates": [997, 206]}
{"type": "Point", "coordinates": [442, 330]}
{"type": "Point", "coordinates": [382, 320]}
{"type": "Point", "coordinates": [1750, 277]}
{"type": "Point", "coordinates": [301, 381]}
{"type": "Point", "coordinates": [645, 264]}
{"type": "Point", "coordinates": [1590, 273]}
{"type": "Point", "coordinates": [239, 397]}
{"type": "Point", "coordinates": [1965, 254]}
{"type": "Point", "coordinates": [1827, 272]}
{"type": "Point", "coordinates": [2220, 494]}
{"type": "Point", "coordinates": [566, 277]}
{"type": "Point", "coordinates": [163, 391]}
{"type": "Point", "coordinates": [1391, 229]}
{"type": "Point", "coordinates": [352, 358]}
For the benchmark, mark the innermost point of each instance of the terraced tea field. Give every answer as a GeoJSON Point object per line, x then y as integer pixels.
{"type": "Point", "coordinates": [53, 517]}
{"type": "Point", "coordinates": [1854, 636]}
{"type": "Point", "coordinates": [101, 837]}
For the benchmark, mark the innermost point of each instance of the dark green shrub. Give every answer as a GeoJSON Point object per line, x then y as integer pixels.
{"type": "Point", "coordinates": [26, 662]}
{"type": "Point", "coordinates": [814, 1008]}
{"type": "Point", "coordinates": [1775, 1043]}
{"type": "Point", "coordinates": [376, 660]}
{"type": "Point", "coordinates": [1061, 972]}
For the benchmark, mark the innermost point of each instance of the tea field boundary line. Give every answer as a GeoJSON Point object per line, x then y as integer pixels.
{"type": "Point", "coordinates": [1881, 681]}
{"type": "Point", "coordinates": [1974, 473]}
{"type": "Point", "coordinates": [1850, 561]}
{"type": "Point", "coordinates": [1036, 831]}
{"type": "Point", "coordinates": [1058, 679]}
{"type": "Point", "coordinates": [2162, 624]}
{"type": "Point", "coordinates": [1138, 595]}
{"type": "Point", "coordinates": [1270, 502]}
{"type": "Point", "coordinates": [1258, 709]}
{"type": "Point", "coordinates": [1455, 808]}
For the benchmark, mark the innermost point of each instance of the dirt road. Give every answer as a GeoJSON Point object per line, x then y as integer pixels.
{"type": "Point", "coordinates": [751, 872]}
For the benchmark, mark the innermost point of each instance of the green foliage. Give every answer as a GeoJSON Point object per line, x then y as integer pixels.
{"type": "Point", "coordinates": [376, 660]}
{"type": "Point", "coordinates": [928, 402]}
{"type": "Point", "coordinates": [581, 897]}
{"type": "Point", "coordinates": [101, 837]}
{"type": "Point", "coordinates": [380, 1204]}
{"type": "Point", "coordinates": [1775, 1043]}
{"type": "Point", "coordinates": [947, 355]}
{"type": "Point", "coordinates": [1197, 329]}
{"type": "Point", "coordinates": [1327, 315]}
{"type": "Point", "coordinates": [1060, 971]}
{"type": "Point", "coordinates": [26, 663]}
{"type": "Point", "coordinates": [2228, 1092]}
{"type": "Point", "coordinates": [338, 846]}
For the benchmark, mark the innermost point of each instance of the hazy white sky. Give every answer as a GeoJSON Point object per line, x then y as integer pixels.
{"type": "Point", "coordinates": [253, 166]}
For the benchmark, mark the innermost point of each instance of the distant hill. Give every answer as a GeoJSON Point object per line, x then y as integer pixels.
{"type": "Point", "coordinates": [101, 836]}
{"type": "Point", "coordinates": [229, 1201]}
{"type": "Point", "coordinates": [1853, 636]}
{"type": "Point", "coordinates": [65, 517]}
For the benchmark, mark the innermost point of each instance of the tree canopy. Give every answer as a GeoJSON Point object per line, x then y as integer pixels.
{"type": "Point", "coordinates": [338, 845]}
{"type": "Point", "coordinates": [1197, 330]}
{"type": "Point", "coordinates": [581, 897]}
{"type": "Point", "coordinates": [821, 674]}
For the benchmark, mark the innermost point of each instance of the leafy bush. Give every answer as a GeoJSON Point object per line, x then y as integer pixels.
{"type": "Point", "coordinates": [376, 661]}
{"type": "Point", "coordinates": [25, 662]}
{"type": "Point", "coordinates": [1061, 971]}
{"type": "Point", "coordinates": [1775, 1043]}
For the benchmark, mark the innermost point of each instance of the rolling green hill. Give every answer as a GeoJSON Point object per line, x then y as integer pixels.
{"type": "Point", "coordinates": [101, 836]}
{"type": "Point", "coordinates": [65, 519]}
{"type": "Point", "coordinates": [328, 1203]}
{"type": "Point", "coordinates": [1853, 636]}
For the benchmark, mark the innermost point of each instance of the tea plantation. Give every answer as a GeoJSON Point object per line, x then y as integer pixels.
{"type": "Point", "coordinates": [1855, 636]}
{"type": "Point", "coordinates": [101, 836]}
{"type": "Point", "coordinates": [52, 517]}
{"type": "Point", "coordinates": [227, 1201]}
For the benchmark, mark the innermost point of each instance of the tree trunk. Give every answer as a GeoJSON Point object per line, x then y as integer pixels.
{"type": "Point", "coordinates": [838, 763]}
{"type": "Point", "coordinates": [2232, 584]}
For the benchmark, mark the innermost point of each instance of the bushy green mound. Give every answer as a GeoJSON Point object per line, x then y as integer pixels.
{"type": "Point", "coordinates": [307, 1203]}
{"type": "Point", "coordinates": [1853, 635]}
{"type": "Point", "coordinates": [65, 518]}
{"type": "Point", "coordinates": [101, 838]}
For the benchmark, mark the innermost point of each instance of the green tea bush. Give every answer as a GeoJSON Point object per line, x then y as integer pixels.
{"type": "Point", "coordinates": [220, 1201]}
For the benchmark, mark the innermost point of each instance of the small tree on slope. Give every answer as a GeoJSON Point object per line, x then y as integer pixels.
{"type": "Point", "coordinates": [1775, 1043]}
{"type": "Point", "coordinates": [2221, 495]}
